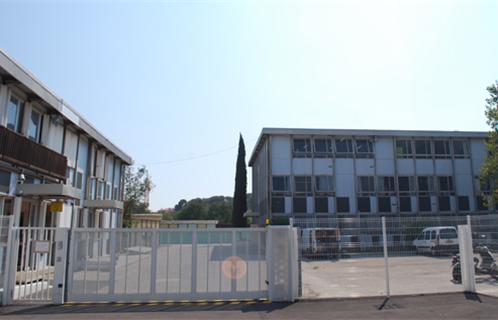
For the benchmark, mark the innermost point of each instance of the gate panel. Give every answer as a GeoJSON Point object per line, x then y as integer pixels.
{"type": "Point", "coordinates": [166, 264]}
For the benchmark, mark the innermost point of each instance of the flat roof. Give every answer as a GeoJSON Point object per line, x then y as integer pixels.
{"type": "Point", "coordinates": [361, 132]}
{"type": "Point", "coordinates": [11, 68]}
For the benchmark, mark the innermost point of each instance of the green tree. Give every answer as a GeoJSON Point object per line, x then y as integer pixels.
{"type": "Point", "coordinates": [137, 186]}
{"type": "Point", "coordinates": [240, 193]}
{"type": "Point", "coordinates": [489, 169]}
{"type": "Point", "coordinates": [195, 209]}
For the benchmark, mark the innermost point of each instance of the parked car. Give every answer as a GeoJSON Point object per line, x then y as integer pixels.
{"type": "Point", "coordinates": [320, 242]}
{"type": "Point", "coordinates": [437, 240]}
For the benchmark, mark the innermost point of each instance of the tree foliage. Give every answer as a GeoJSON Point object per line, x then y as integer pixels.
{"type": "Point", "coordinates": [137, 185]}
{"type": "Point", "coordinates": [214, 208]}
{"type": "Point", "coordinates": [489, 169]}
{"type": "Point", "coordinates": [240, 193]}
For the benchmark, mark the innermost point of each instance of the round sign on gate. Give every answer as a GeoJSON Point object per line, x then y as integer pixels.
{"type": "Point", "coordinates": [234, 267]}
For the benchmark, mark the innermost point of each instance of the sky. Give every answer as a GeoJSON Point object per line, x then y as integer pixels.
{"type": "Point", "coordinates": [173, 83]}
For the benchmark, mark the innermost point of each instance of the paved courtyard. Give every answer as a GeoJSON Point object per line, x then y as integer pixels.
{"type": "Point", "coordinates": [364, 277]}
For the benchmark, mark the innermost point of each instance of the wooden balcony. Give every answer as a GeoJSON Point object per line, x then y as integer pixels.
{"type": "Point", "coordinates": [26, 153]}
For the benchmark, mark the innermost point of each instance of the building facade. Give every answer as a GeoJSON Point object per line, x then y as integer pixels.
{"type": "Point", "coordinates": [364, 173]}
{"type": "Point", "coordinates": [56, 169]}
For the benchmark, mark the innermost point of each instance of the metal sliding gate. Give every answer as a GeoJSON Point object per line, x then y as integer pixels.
{"type": "Point", "coordinates": [167, 264]}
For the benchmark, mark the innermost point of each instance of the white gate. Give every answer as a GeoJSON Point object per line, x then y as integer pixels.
{"type": "Point", "coordinates": [35, 265]}
{"type": "Point", "coordinates": [167, 264]}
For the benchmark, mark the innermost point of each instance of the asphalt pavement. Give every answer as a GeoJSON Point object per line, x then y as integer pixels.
{"type": "Point", "coordinates": [438, 306]}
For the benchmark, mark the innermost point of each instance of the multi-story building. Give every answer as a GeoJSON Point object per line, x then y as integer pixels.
{"type": "Point", "coordinates": [56, 169]}
{"type": "Point", "coordinates": [363, 173]}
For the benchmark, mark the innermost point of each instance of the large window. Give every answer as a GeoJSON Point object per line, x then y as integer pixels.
{"type": "Point", "coordinates": [281, 183]}
{"type": "Point", "coordinates": [424, 204]}
{"type": "Point", "coordinates": [364, 148]}
{"type": "Point", "coordinates": [278, 205]}
{"type": "Point", "coordinates": [463, 203]}
{"type": "Point", "coordinates": [342, 204]}
{"type": "Point", "coordinates": [445, 184]}
{"type": "Point", "coordinates": [323, 148]}
{"type": "Point", "coordinates": [302, 184]}
{"type": "Point", "coordinates": [386, 185]}
{"type": "Point", "coordinates": [299, 205]}
{"type": "Point", "coordinates": [422, 149]}
{"type": "Point", "coordinates": [364, 204]}
{"type": "Point", "coordinates": [444, 203]}
{"type": "Point", "coordinates": [404, 148]}
{"type": "Point", "coordinates": [344, 148]}
{"type": "Point", "coordinates": [384, 204]}
{"type": "Point", "coordinates": [324, 184]}
{"type": "Point", "coordinates": [425, 184]}
{"type": "Point", "coordinates": [405, 204]}
{"type": "Point", "coordinates": [460, 149]}
{"type": "Point", "coordinates": [442, 149]}
{"type": "Point", "coordinates": [34, 125]}
{"type": "Point", "coordinates": [366, 185]}
{"type": "Point", "coordinates": [406, 184]}
{"type": "Point", "coordinates": [302, 148]}
{"type": "Point", "coordinates": [14, 114]}
{"type": "Point", "coordinates": [321, 205]}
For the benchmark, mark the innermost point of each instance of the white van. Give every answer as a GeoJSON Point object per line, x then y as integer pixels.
{"type": "Point", "coordinates": [436, 240]}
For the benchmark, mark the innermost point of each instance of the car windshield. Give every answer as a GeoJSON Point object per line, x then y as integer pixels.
{"type": "Point", "coordinates": [447, 234]}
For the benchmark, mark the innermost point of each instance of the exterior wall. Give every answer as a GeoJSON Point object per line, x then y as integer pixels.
{"type": "Point", "coordinates": [384, 161]}
{"type": "Point", "coordinates": [260, 182]}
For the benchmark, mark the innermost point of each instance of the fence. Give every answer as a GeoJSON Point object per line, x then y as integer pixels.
{"type": "Point", "coordinates": [344, 257]}
{"type": "Point", "coordinates": [157, 264]}
{"type": "Point", "coordinates": [4, 233]}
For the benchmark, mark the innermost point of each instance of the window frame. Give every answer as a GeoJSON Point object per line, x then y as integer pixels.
{"type": "Point", "coordinates": [308, 183]}
{"type": "Point", "coordinates": [349, 146]}
{"type": "Point", "coordinates": [330, 184]}
{"type": "Point", "coordinates": [364, 201]}
{"type": "Point", "coordinates": [286, 184]}
{"type": "Point", "coordinates": [466, 149]}
{"type": "Point", "coordinates": [17, 126]}
{"type": "Point", "coordinates": [276, 200]}
{"type": "Point", "coordinates": [411, 185]}
{"type": "Point", "coordinates": [430, 184]}
{"type": "Point", "coordinates": [388, 204]}
{"type": "Point", "coordinates": [446, 147]}
{"type": "Point", "coordinates": [449, 182]}
{"type": "Point", "coordinates": [369, 153]}
{"type": "Point", "coordinates": [381, 185]}
{"type": "Point", "coordinates": [371, 184]}
{"type": "Point", "coordinates": [347, 204]}
{"type": "Point", "coordinates": [304, 201]}
{"type": "Point", "coordinates": [404, 144]}
{"type": "Point", "coordinates": [317, 206]}
{"type": "Point", "coordinates": [306, 153]}
{"type": "Point", "coordinates": [425, 155]}
{"type": "Point", "coordinates": [329, 148]}
{"type": "Point", "coordinates": [36, 138]}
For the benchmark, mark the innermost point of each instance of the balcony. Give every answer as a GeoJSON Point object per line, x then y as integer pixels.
{"type": "Point", "coordinates": [26, 153]}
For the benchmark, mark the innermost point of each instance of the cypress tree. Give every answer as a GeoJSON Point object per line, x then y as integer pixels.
{"type": "Point", "coordinates": [240, 193]}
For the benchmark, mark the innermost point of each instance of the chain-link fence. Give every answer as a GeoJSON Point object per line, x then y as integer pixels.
{"type": "Point", "coordinates": [345, 257]}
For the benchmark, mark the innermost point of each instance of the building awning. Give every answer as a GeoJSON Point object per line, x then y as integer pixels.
{"type": "Point", "coordinates": [103, 204]}
{"type": "Point", "coordinates": [48, 191]}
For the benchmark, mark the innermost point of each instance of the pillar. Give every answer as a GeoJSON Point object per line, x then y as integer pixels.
{"type": "Point", "coordinates": [16, 210]}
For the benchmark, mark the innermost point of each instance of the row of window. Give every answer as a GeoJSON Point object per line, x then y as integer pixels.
{"type": "Point", "coordinates": [364, 148]}
{"type": "Point", "coordinates": [384, 205]}
{"type": "Point", "coordinates": [366, 184]}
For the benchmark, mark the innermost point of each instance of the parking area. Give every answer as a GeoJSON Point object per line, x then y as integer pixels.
{"type": "Point", "coordinates": [363, 277]}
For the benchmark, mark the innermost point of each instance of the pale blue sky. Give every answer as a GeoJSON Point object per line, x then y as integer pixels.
{"type": "Point", "coordinates": [176, 79]}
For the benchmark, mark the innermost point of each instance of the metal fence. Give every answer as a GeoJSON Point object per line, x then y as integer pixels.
{"type": "Point", "coordinates": [345, 257]}
{"type": "Point", "coordinates": [162, 264]}
{"type": "Point", "coordinates": [4, 233]}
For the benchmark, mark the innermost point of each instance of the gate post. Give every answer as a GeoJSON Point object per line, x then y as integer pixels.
{"type": "Point", "coordinates": [61, 245]}
{"type": "Point", "coordinates": [9, 278]}
{"type": "Point", "coordinates": [282, 263]}
{"type": "Point", "coordinates": [466, 258]}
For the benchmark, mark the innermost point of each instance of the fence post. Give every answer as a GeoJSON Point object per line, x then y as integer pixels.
{"type": "Point", "coordinates": [386, 260]}
{"type": "Point", "coordinates": [193, 282]}
{"type": "Point", "coordinates": [466, 258]}
{"type": "Point", "coordinates": [61, 242]}
{"type": "Point", "coordinates": [8, 289]}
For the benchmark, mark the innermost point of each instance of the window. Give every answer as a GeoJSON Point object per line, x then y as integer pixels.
{"type": "Point", "coordinates": [424, 204]}
{"type": "Point", "coordinates": [321, 205]}
{"type": "Point", "coordinates": [302, 184]}
{"type": "Point", "coordinates": [427, 235]}
{"type": "Point", "coordinates": [302, 148]}
{"type": "Point", "coordinates": [70, 176]}
{"type": "Point", "coordinates": [442, 149]}
{"type": "Point", "coordinates": [324, 184]}
{"type": "Point", "coordinates": [281, 183]}
{"type": "Point", "coordinates": [481, 203]}
{"type": "Point", "coordinates": [384, 204]}
{"type": "Point", "coordinates": [79, 180]}
{"type": "Point", "coordinates": [14, 114]}
{"type": "Point", "coordinates": [422, 149]}
{"type": "Point", "coordinates": [444, 203]}
{"type": "Point", "coordinates": [405, 204]}
{"type": "Point", "coordinates": [366, 184]}
{"type": "Point", "coordinates": [364, 148]}
{"type": "Point", "coordinates": [364, 204]}
{"type": "Point", "coordinates": [404, 148]}
{"type": "Point", "coordinates": [299, 205]}
{"type": "Point", "coordinates": [463, 203]}
{"type": "Point", "coordinates": [278, 205]}
{"type": "Point", "coordinates": [460, 149]}
{"type": "Point", "coordinates": [4, 181]}
{"type": "Point", "coordinates": [445, 184]}
{"type": "Point", "coordinates": [386, 184]}
{"type": "Point", "coordinates": [406, 184]}
{"type": "Point", "coordinates": [425, 184]}
{"type": "Point", "coordinates": [433, 234]}
{"type": "Point", "coordinates": [34, 125]}
{"type": "Point", "coordinates": [344, 148]}
{"type": "Point", "coordinates": [342, 204]}
{"type": "Point", "coordinates": [448, 234]}
{"type": "Point", "coordinates": [323, 148]}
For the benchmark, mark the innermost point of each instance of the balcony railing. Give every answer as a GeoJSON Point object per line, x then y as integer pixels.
{"type": "Point", "coordinates": [29, 154]}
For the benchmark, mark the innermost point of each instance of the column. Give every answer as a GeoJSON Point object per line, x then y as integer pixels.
{"type": "Point", "coordinates": [16, 210]}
